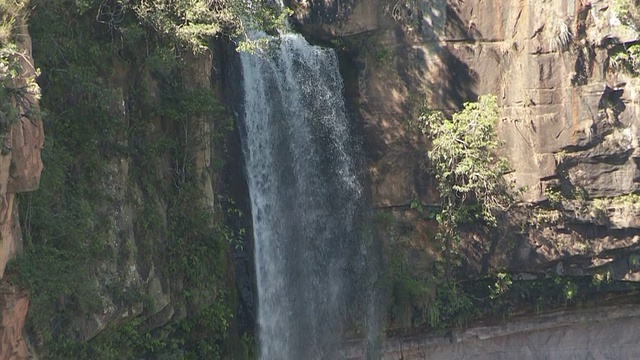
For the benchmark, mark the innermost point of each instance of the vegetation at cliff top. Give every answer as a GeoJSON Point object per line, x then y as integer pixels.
{"type": "Point", "coordinates": [188, 23]}
{"type": "Point", "coordinates": [12, 15]}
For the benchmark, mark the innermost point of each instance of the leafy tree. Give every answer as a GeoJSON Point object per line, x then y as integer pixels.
{"type": "Point", "coordinates": [470, 178]}
{"type": "Point", "coordinates": [191, 23]}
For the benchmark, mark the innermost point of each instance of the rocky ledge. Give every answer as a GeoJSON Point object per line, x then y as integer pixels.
{"type": "Point", "coordinates": [603, 333]}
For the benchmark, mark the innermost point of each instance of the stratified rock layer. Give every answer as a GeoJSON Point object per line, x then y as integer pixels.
{"type": "Point", "coordinates": [569, 119]}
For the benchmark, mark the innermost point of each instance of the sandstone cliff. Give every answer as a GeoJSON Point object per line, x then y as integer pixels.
{"type": "Point", "coordinates": [569, 117]}
{"type": "Point", "coordinates": [20, 167]}
{"type": "Point", "coordinates": [569, 125]}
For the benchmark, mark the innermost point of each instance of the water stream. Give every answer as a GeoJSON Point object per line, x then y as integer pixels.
{"type": "Point", "coordinates": [306, 200]}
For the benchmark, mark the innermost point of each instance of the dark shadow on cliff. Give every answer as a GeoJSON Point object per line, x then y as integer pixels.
{"type": "Point", "coordinates": [228, 72]}
{"type": "Point", "coordinates": [455, 81]}
{"type": "Point", "coordinates": [459, 79]}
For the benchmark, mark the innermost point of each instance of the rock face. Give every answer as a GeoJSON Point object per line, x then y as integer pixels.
{"type": "Point", "coordinates": [569, 117]}
{"type": "Point", "coordinates": [13, 310]}
{"type": "Point", "coordinates": [20, 162]}
{"type": "Point", "coordinates": [126, 230]}
{"type": "Point", "coordinates": [569, 123]}
{"type": "Point", "coordinates": [20, 167]}
{"type": "Point", "coordinates": [330, 18]}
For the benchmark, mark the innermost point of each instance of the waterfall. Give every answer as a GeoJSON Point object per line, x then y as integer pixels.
{"type": "Point", "coordinates": [306, 199]}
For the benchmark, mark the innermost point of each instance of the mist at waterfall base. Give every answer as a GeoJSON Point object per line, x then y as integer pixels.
{"type": "Point", "coordinates": [313, 270]}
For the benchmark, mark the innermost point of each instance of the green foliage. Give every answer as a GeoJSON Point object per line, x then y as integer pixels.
{"type": "Point", "coordinates": [416, 204]}
{"type": "Point", "coordinates": [618, 60]}
{"type": "Point", "coordinates": [9, 69]}
{"type": "Point", "coordinates": [56, 285]}
{"type": "Point", "coordinates": [420, 297]}
{"type": "Point", "coordinates": [410, 294]}
{"type": "Point", "coordinates": [626, 59]}
{"type": "Point", "coordinates": [450, 304]}
{"type": "Point", "coordinates": [470, 178]}
{"type": "Point", "coordinates": [456, 306]}
{"type": "Point", "coordinates": [192, 23]}
{"type": "Point", "coordinates": [627, 199]}
{"type": "Point", "coordinates": [248, 347]}
{"type": "Point", "coordinates": [184, 24]}
{"type": "Point", "coordinates": [502, 284]}
{"type": "Point", "coordinates": [91, 123]}
{"type": "Point", "coordinates": [66, 230]}
{"type": "Point", "coordinates": [555, 197]}
{"type": "Point", "coordinates": [628, 12]}
{"type": "Point", "coordinates": [384, 219]}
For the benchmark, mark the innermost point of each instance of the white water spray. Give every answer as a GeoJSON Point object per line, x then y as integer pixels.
{"type": "Point", "coordinates": [305, 199]}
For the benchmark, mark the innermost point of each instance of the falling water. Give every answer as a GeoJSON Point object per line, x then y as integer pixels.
{"type": "Point", "coordinates": [306, 199]}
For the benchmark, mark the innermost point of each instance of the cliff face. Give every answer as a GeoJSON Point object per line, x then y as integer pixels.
{"type": "Point", "coordinates": [20, 162]}
{"type": "Point", "coordinates": [569, 124]}
{"type": "Point", "coordinates": [127, 248]}
{"type": "Point", "coordinates": [568, 121]}
{"type": "Point", "coordinates": [124, 243]}
{"type": "Point", "coordinates": [20, 167]}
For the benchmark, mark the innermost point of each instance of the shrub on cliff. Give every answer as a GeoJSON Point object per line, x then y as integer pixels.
{"type": "Point", "coordinates": [192, 22]}
{"type": "Point", "coordinates": [470, 177]}
{"type": "Point", "coordinates": [189, 23]}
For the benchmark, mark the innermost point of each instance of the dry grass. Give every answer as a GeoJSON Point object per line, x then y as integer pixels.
{"type": "Point", "coordinates": [558, 34]}
{"type": "Point", "coordinates": [12, 15]}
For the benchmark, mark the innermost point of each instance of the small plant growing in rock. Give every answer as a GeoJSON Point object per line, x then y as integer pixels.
{"type": "Point", "coordinates": [626, 60]}
{"type": "Point", "coordinates": [560, 156]}
{"type": "Point", "coordinates": [501, 285]}
{"type": "Point", "coordinates": [618, 60]}
{"type": "Point", "coordinates": [555, 197]}
{"type": "Point", "coordinates": [634, 57]}
{"type": "Point", "coordinates": [558, 34]}
{"type": "Point", "coordinates": [599, 208]}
